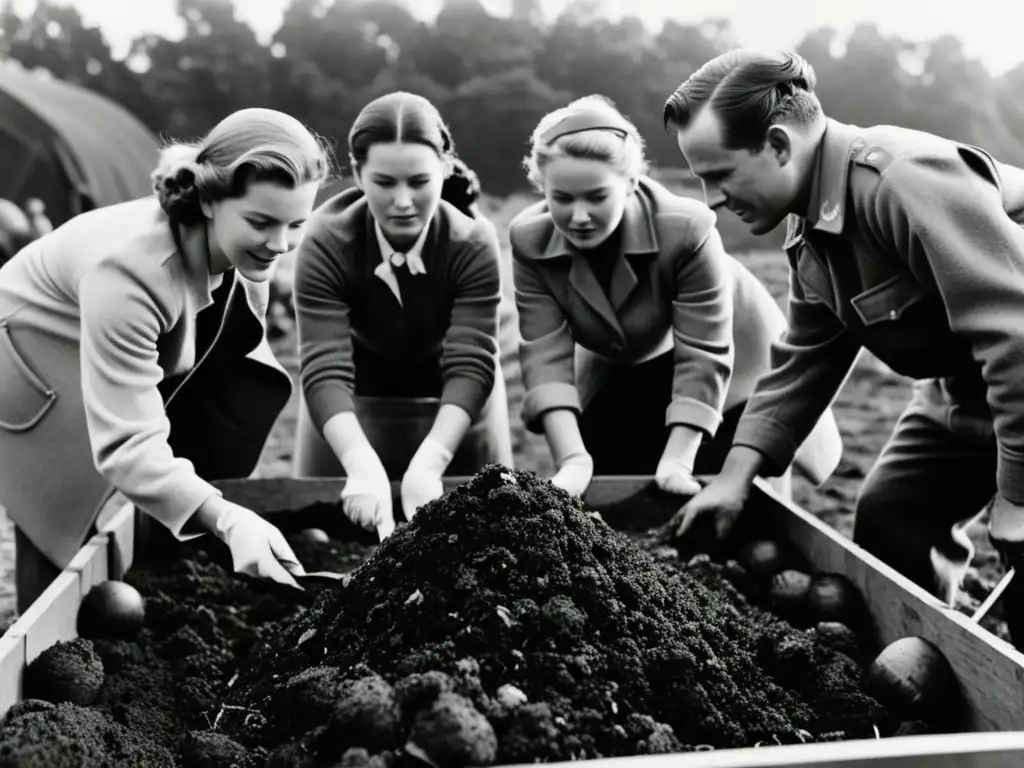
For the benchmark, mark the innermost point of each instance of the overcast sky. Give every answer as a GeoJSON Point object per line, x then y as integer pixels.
{"type": "Point", "coordinates": [991, 30]}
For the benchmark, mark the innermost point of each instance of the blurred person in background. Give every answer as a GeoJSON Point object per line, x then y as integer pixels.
{"type": "Point", "coordinates": [900, 242]}
{"type": "Point", "coordinates": [36, 209]}
{"type": "Point", "coordinates": [16, 231]}
{"type": "Point", "coordinates": [396, 295]}
{"type": "Point", "coordinates": [641, 337]}
{"type": "Point", "coordinates": [133, 354]}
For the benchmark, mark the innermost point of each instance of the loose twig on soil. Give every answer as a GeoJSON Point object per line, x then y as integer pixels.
{"type": "Point", "coordinates": [230, 708]}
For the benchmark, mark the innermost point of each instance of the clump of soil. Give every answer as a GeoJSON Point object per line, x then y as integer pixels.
{"type": "Point", "coordinates": [70, 736]}
{"type": "Point", "coordinates": [508, 583]}
{"type": "Point", "coordinates": [65, 672]}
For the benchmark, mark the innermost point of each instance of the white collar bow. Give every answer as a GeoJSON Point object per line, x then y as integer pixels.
{"type": "Point", "coordinates": [392, 259]}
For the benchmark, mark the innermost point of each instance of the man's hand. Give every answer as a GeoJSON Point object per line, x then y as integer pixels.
{"type": "Point", "coordinates": [718, 505]}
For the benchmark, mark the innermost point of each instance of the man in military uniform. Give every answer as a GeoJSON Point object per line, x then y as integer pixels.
{"type": "Point", "coordinates": [900, 242]}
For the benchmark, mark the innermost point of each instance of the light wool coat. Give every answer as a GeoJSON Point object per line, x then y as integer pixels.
{"type": "Point", "coordinates": [100, 386]}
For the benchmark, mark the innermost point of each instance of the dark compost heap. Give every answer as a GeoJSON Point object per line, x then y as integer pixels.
{"type": "Point", "coordinates": [507, 624]}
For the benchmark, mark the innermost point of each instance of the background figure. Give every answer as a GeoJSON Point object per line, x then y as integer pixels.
{"type": "Point", "coordinates": [397, 293]}
{"type": "Point", "coordinates": [16, 231]}
{"type": "Point", "coordinates": [638, 330]}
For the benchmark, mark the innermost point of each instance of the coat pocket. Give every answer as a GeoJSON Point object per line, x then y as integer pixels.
{"type": "Point", "coordinates": [889, 300]}
{"type": "Point", "coordinates": [24, 397]}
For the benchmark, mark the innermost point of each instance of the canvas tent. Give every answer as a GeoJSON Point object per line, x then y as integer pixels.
{"type": "Point", "coordinates": [68, 146]}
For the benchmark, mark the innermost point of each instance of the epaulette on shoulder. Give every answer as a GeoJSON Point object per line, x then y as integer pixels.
{"type": "Point", "coordinates": [873, 156]}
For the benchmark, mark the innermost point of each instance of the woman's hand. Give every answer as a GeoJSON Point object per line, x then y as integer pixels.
{"type": "Point", "coordinates": [257, 547]}
{"type": "Point", "coordinates": [366, 497]}
{"type": "Point", "coordinates": [422, 480]}
{"type": "Point", "coordinates": [575, 473]}
{"type": "Point", "coordinates": [675, 470]}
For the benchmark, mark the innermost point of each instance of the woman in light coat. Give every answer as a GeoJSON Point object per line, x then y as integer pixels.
{"type": "Point", "coordinates": [133, 352]}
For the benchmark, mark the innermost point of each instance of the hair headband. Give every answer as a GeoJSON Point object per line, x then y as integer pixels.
{"type": "Point", "coordinates": [585, 120]}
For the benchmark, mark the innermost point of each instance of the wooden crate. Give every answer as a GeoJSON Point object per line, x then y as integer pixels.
{"type": "Point", "coordinates": [990, 672]}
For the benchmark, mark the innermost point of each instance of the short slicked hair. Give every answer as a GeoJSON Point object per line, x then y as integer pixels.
{"type": "Point", "coordinates": [750, 91]}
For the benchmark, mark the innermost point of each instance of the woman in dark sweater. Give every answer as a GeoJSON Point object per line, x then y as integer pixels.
{"type": "Point", "coordinates": [396, 295]}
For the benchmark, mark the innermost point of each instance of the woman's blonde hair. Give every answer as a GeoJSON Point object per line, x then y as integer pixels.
{"type": "Point", "coordinates": [621, 147]}
{"type": "Point", "coordinates": [247, 146]}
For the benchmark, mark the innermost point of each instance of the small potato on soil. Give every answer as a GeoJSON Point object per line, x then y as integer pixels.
{"type": "Point", "coordinates": [833, 597]}
{"type": "Point", "coordinates": [111, 610]}
{"type": "Point", "coordinates": [913, 678]}
{"type": "Point", "coordinates": [763, 559]}
{"type": "Point", "coordinates": [314, 535]}
{"type": "Point", "coordinates": [788, 596]}
{"type": "Point", "coordinates": [69, 671]}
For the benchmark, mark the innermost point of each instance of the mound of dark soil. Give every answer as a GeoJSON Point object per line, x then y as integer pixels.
{"type": "Point", "coordinates": [508, 584]}
{"type": "Point", "coordinates": [506, 624]}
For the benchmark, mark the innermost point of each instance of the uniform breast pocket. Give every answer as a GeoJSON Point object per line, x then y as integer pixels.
{"type": "Point", "coordinates": [890, 300]}
{"type": "Point", "coordinates": [24, 397]}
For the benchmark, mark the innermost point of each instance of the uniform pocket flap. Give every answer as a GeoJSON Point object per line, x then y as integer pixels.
{"type": "Point", "coordinates": [888, 300]}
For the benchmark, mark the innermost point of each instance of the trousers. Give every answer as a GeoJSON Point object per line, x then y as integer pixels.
{"type": "Point", "coordinates": [936, 473]}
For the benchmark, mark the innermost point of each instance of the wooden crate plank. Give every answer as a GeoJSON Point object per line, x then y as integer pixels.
{"type": "Point", "coordinates": [53, 616]}
{"type": "Point", "coordinates": [91, 562]}
{"type": "Point", "coordinates": [991, 672]}
{"type": "Point", "coordinates": [989, 750]}
{"type": "Point", "coordinates": [12, 669]}
{"type": "Point", "coordinates": [120, 530]}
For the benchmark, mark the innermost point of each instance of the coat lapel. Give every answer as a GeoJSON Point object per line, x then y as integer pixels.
{"type": "Point", "coordinates": [583, 282]}
{"type": "Point", "coordinates": [639, 240]}
{"type": "Point", "coordinates": [624, 282]}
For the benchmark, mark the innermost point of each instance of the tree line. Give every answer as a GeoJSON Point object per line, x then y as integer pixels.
{"type": "Point", "coordinates": [493, 77]}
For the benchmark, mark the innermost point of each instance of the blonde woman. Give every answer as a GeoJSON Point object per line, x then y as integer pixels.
{"type": "Point", "coordinates": [641, 337]}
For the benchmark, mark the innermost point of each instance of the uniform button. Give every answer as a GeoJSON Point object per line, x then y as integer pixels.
{"type": "Point", "coordinates": [892, 314]}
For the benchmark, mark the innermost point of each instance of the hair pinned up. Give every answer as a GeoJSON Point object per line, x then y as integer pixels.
{"type": "Point", "coordinates": [750, 91]}
{"type": "Point", "coordinates": [250, 145]}
{"type": "Point", "coordinates": [462, 187]}
{"type": "Point", "coordinates": [398, 117]}
{"type": "Point", "coordinates": [590, 128]}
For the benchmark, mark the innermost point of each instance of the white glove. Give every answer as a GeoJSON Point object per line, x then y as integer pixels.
{"type": "Point", "coordinates": [366, 497]}
{"type": "Point", "coordinates": [257, 547]}
{"type": "Point", "coordinates": [575, 473]}
{"type": "Point", "coordinates": [675, 475]}
{"type": "Point", "coordinates": [422, 480]}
